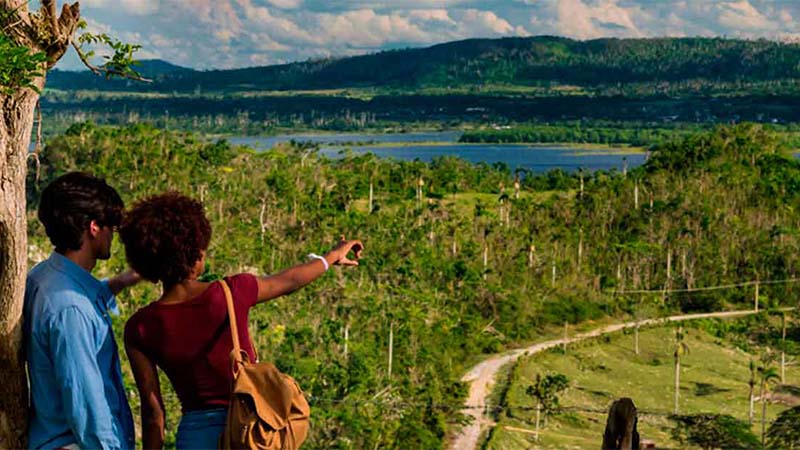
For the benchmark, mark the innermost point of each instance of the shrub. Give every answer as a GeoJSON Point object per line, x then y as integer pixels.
{"type": "Point", "coordinates": [710, 431]}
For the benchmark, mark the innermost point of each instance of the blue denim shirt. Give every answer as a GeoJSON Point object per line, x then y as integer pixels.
{"type": "Point", "coordinates": [77, 394]}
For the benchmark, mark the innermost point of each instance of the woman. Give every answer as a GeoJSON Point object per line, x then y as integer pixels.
{"type": "Point", "coordinates": [186, 331]}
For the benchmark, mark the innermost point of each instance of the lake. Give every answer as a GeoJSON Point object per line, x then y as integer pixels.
{"type": "Point", "coordinates": [425, 146]}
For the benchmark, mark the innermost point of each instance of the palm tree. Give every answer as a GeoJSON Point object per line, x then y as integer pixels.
{"type": "Point", "coordinates": [681, 348]}
{"type": "Point", "coordinates": [767, 375]}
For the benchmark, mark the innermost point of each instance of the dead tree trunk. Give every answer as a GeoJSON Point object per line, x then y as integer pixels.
{"type": "Point", "coordinates": [621, 432]}
{"type": "Point", "coordinates": [49, 33]}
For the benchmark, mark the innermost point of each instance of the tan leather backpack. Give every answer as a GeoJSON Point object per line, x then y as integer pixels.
{"type": "Point", "coordinates": [267, 410]}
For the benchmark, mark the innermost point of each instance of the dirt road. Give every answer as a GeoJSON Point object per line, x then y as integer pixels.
{"type": "Point", "coordinates": [482, 376]}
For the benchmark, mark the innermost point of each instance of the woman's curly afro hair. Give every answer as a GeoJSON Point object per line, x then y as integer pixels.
{"type": "Point", "coordinates": [164, 237]}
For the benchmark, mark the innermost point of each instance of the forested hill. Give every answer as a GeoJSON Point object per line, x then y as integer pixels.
{"type": "Point", "coordinates": [533, 61]}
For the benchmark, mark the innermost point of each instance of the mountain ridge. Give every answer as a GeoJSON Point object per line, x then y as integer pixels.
{"type": "Point", "coordinates": [529, 61]}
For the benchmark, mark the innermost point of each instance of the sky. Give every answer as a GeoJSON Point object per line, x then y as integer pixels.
{"type": "Point", "coordinates": [205, 34]}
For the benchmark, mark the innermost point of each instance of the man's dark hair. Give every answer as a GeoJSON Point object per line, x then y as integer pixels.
{"type": "Point", "coordinates": [164, 237]}
{"type": "Point", "coordinates": [71, 202]}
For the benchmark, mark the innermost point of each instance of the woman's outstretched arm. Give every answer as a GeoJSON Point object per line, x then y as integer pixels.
{"type": "Point", "coordinates": [153, 416]}
{"type": "Point", "coordinates": [294, 278]}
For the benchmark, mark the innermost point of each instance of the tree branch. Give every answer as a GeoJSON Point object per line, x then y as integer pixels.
{"type": "Point", "coordinates": [15, 20]}
{"type": "Point", "coordinates": [50, 12]}
{"type": "Point", "coordinates": [17, 7]}
{"type": "Point", "coordinates": [98, 70]}
{"type": "Point", "coordinates": [64, 28]}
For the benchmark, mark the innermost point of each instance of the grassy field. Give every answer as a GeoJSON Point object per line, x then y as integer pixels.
{"type": "Point", "coordinates": [714, 379]}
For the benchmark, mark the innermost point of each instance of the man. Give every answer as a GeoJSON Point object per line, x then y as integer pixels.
{"type": "Point", "coordinates": [77, 395]}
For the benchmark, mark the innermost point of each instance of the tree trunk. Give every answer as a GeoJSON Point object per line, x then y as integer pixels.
{"type": "Point", "coordinates": [677, 381]}
{"type": "Point", "coordinates": [16, 125]}
{"type": "Point", "coordinates": [50, 33]}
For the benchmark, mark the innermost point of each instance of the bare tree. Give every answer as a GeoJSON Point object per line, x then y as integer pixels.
{"type": "Point", "coordinates": [681, 348]}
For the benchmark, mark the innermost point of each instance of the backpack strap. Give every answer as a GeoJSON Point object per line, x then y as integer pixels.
{"type": "Point", "coordinates": [238, 356]}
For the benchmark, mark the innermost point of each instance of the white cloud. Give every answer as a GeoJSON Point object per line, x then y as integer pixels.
{"type": "Point", "coordinates": [786, 17]}
{"type": "Point", "coordinates": [94, 3]}
{"type": "Point", "coordinates": [286, 4]}
{"type": "Point", "coordinates": [599, 19]}
{"type": "Point", "coordinates": [365, 28]}
{"type": "Point", "coordinates": [134, 7]}
{"type": "Point", "coordinates": [437, 15]}
{"type": "Point", "coordinates": [235, 33]}
{"type": "Point", "coordinates": [741, 15]}
{"type": "Point", "coordinates": [485, 21]}
{"type": "Point", "coordinates": [259, 18]}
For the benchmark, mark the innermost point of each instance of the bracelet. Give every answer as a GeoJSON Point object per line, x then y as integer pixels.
{"type": "Point", "coordinates": [321, 258]}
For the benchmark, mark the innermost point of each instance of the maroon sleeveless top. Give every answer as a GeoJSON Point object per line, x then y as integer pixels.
{"type": "Point", "coordinates": [191, 341]}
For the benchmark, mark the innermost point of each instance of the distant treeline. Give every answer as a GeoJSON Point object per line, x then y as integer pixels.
{"type": "Point", "coordinates": [341, 113]}
{"type": "Point", "coordinates": [635, 134]}
{"type": "Point", "coordinates": [532, 61]}
{"type": "Point", "coordinates": [577, 132]}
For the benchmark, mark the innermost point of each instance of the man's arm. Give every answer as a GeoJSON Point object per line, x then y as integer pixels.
{"type": "Point", "coordinates": [74, 353]}
{"type": "Point", "coordinates": [122, 281]}
{"type": "Point", "coordinates": [115, 286]}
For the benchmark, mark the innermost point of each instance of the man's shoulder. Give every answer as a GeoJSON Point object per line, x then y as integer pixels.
{"type": "Point", "coordinates": [46, 277]}
{"type": "Point", "coordinates": [49, 292]}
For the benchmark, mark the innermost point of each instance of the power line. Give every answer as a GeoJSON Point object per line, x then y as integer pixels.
{"type": "Point", "coordinates": [496, 409]}
{"type": "Point", "coordinates": [706, 288]}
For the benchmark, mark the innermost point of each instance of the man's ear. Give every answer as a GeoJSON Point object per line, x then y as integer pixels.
{"type": "Point", "coordinates": [94, 229]}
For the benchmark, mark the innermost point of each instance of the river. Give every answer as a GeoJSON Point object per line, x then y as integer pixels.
{"type": "Point", "coordinates": [427, 145]}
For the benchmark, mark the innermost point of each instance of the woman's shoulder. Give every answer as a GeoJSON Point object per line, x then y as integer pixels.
{"type": "Point", "coordinates": [136, 323]}
{"type": "Point", "coordinates": [244, 280]}
{"type": "Point", "coordinates": [244, 286]}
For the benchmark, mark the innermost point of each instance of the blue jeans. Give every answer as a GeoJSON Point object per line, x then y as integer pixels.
{"type": "Point", "coordinates": [201, 429]}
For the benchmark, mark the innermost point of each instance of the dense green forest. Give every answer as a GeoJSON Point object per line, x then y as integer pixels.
{"type": "Point", "coordinates": [263, 114]}
{"type": "Point", "coordinates": [477, 81]}
{"type": "Point", "coordinates": [459, 262]}
{"type": "Point", "coordinates": [534, 61]}
{"type": "Point", "coordinates": [604, 132]}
